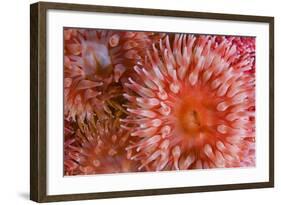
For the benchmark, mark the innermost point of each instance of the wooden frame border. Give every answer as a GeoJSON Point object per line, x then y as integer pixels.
{"type": "Point", "coordinates": [38, 97]}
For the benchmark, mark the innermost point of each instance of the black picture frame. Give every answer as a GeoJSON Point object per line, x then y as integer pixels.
{"type": "Point", "coordinates": [38, 102]}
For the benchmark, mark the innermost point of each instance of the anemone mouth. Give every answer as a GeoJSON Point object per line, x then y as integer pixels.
{"type": "Point", "coordinates": [190, 121]}
{"type": "Point", "coordinates": [194, 111]}
{"type": "Point", "coordinates": [196, 118]}
{"type": "Point", "coordinates": [97, 59]}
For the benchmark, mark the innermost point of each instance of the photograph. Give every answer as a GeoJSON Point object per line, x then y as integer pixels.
{"type": "Point", "coordinates": [142, 101]}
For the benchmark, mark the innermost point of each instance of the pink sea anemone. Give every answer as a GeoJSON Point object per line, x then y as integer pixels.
{"type": "Point", "coordinates": [96, 147]}
{"type": "Point", "coordinates": [94, 63]}
{"type": "Point", "coordinates": [191, 104]}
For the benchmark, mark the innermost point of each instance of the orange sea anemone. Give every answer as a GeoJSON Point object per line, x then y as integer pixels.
{"type": "Point", "coordinates": [96, 147]}
{"type": "Point", "coordinates": [94, 63]}
{"type": "Point", "coordinates": [191, 104]}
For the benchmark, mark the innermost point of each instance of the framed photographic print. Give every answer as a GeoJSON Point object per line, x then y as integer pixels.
{"type": "Point", "coordinates": [133, 102]}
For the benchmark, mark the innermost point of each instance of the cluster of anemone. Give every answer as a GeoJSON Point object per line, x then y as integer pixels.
{"type": "Point", "coordinates": [144, 101]}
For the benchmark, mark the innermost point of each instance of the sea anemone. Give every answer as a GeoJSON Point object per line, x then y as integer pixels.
{"type": "Point", "coordinates": [191, 104]}
{"type": "Point", "coordinates": [96, 147]}
{"type": "Point", "coordinates": [94, 63]}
